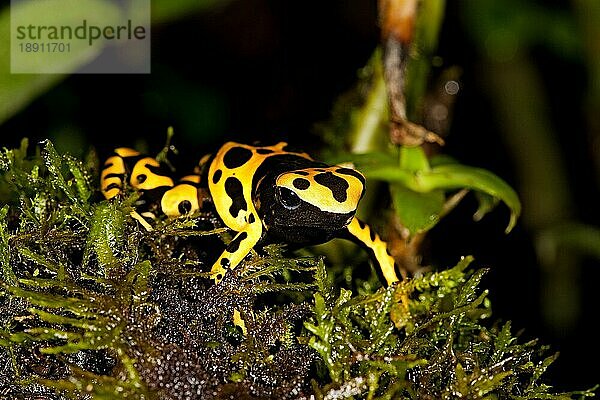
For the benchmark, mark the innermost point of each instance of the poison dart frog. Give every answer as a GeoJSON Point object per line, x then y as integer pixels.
{"type": "Point", "coordinates": [146, 174]}
{"type": "Point", "coordinates": [264, 193]}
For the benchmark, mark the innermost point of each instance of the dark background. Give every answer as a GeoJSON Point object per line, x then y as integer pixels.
{"type": "Point", "coordinates": [269, 70]}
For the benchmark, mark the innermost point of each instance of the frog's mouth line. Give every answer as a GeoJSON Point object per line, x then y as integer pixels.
{"type": "Point", "coordinates": [307, 220]}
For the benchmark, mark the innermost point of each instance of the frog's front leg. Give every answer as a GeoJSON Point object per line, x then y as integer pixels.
{"type": "Point", "coordinates": [236, 250]}
{"type": "Point", "coordinates": [362, 234]}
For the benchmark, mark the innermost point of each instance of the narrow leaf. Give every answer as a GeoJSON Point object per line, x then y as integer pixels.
{"type": "Point", "coordinates": [84, 190]}
{"type": "Point", "coordinates": [7, 273]}
{"type": "Point", "coordinates": [454, 176]}
{"type": "Point", "coordinates": [107, 228]}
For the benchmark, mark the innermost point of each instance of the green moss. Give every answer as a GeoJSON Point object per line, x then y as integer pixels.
{"type": "Point", "coordinates": [426, 338]}
{"type": "Point", "coordinates": [94, 306]}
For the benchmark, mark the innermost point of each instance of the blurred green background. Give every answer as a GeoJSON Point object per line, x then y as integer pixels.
{"type": "Point", "coordinates": [528, 109]}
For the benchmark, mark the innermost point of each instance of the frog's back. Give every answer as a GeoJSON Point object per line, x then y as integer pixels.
{"type": "Point", "coordinates": [236, 170]}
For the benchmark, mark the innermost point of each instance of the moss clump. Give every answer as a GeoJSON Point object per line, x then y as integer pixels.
{"type": "Point", "coordinates": [94, 306]}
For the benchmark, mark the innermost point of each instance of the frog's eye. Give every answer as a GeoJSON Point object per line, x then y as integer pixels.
{"type": "Point", "coordinates": [288, 198]}
{"type": "Point", "coordinates": [184, 207]}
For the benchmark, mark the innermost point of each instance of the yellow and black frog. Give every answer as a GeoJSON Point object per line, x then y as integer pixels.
{"type": "Point", "coordinates": [263, 193]}
{"type": "Point", "coordinates": [147, 175]}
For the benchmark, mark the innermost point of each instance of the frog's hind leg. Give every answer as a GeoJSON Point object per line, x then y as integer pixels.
{"type": "Point", "coordinates": [236, 250]}
{"type": "Point", "coordinates": [362, 234]}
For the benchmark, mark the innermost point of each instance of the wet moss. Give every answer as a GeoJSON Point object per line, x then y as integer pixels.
{"type": "Point", "coordinates": [92, 305]}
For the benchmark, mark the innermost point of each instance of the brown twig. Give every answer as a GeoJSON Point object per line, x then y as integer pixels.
{"type": "Point", "coordinates": [397, 19]}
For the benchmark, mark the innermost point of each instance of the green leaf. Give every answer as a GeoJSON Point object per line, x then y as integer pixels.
{"type": "Point", "coordinates": [484, 384]}
{"type": "Point", "coordinates": [368, 122]}
{"type": "Point", "coordinates": [373, 159]}
{"type": "Point", "coordinates": [14, 158]}
{"type": "Point", "coordinates": [41, 260]}
{"type": "Point", "coordinates": [502, 343]}
{"type": "Point", "coordinates": [541, 367]}
{"type": "Point", "coordinates": [417, 212]}
{"type": "Point", "coordinates": [7, 273]}
{"type": "Point", "coordinates": [53, 162]}
{"type": "Point", "coordinates": [413, 159]}
{"type": "Point", "coordinates": [77, 306]}
{"type": "Point", "coordinates": [486, 204]}
{"type": "Point", "coordinates": [456, 176]}
{"type": "Point", "coordinates": [84, 191]}
{"type": "Point", "coordinates": [451, 177]}
{"type": "Point", "coordinates": [107, 228]}
{"type": "Point", "coordinates": [138, 279]}
{"type": "Point", "coordinates": [101, 387]}
{"type": "Point", "coordinates": [468, 293]}
{"type": "Point", "coordinates": [381, 325]}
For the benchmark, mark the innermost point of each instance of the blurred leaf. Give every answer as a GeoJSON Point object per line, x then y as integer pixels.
{"type": "Point", "coordinates": [58, 13]}
{"type": "Point", "coordinates": [504, 28]}
{"type": "Point", "coordinates": [368, 122]}
{"type": "Point", "coordinates": [580, 238]}
{"type": "Point", "coordinates": [168, 10]}
{"type": "Point", "coordinates": [428, 25]}
{"type": "Point", "coordinates": [359, 117]}
{"type": "Point", "coordinates": [18, 90]}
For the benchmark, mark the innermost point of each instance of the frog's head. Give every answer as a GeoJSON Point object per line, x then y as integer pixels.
{"type": "Point", "coordinates": [322, 199]}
